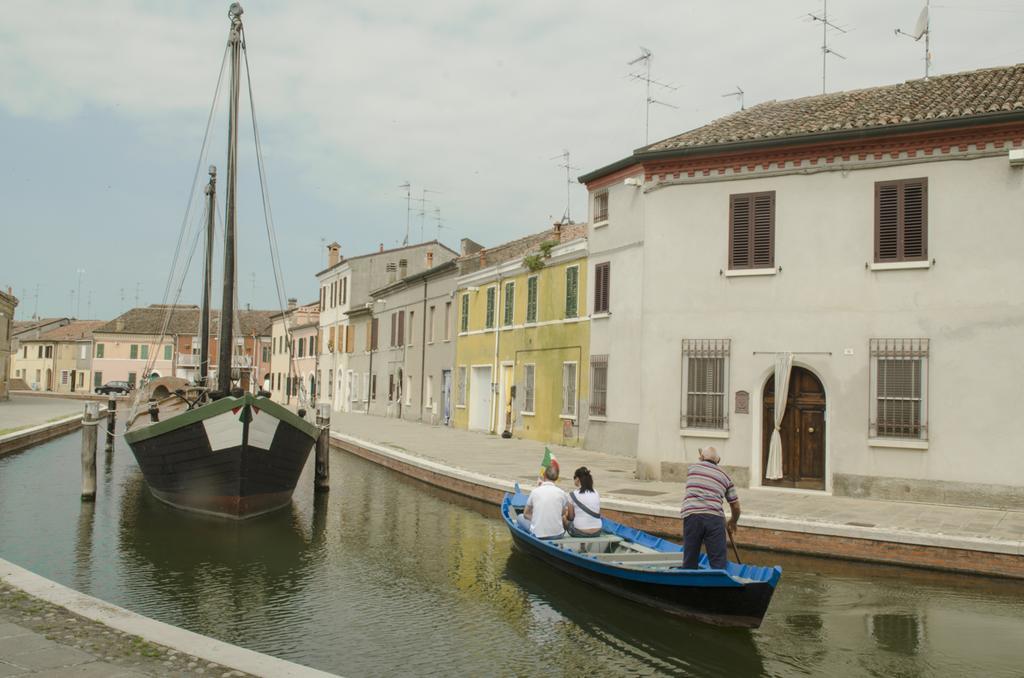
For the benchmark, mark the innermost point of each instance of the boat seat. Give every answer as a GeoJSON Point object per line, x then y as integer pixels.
{"type": "Point", "coordinates": [588, 544]}
{"type": "Point", "coordinates": [635, 558]}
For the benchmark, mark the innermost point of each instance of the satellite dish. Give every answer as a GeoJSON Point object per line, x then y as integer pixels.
{"type": "Point", "coordinates": [921, 27]}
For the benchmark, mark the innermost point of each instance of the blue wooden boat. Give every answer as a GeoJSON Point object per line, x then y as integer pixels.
{"type": "Point", "coordinates": [648, 570]}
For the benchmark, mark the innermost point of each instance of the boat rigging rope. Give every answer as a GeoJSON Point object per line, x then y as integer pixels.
{"type": "Point", "coordinates": [268, 218]}
{"type": "Point", "coordinates": [185, 224]}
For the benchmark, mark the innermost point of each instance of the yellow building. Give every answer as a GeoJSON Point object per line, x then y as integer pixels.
{"type": "Point", "coordinates": [521, 356]}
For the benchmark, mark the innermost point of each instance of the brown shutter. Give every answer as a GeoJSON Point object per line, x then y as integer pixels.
{"type": "Point", "coordinates": [887, 218]}
{"type": "Point", "coordinates": [602, 287]}
{"type": "Point", "coordinates": [915, 219]}
{"type": "Point", "coordinates": [752, 230]}
{"type": "Point", "coordinates": [739, 231]}
{"type": "Point", "coordinates": [401, 328]}
{"type": "Point", "coordinates": [901, 220]}
{"type": "Point", "coordinates": [763, 231]}
{"type": "Point", "coordinates": [351, 339]}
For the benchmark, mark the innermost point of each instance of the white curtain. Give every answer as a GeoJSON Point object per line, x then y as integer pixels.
{"type": "Point", "coordinates": [783, 365]}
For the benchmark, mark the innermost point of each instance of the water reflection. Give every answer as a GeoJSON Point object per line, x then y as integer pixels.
{"type": "Point", "coordinates": [83, 545]}
{"type": "Point", "coordinates": [900, 633]}
{"type": "Point", "coordinates": [654, 641]}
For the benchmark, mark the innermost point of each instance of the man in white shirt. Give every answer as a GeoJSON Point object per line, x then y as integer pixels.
{"type": "Point", "coordinates": [543, 514]}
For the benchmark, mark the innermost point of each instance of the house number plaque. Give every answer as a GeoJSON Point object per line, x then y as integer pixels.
{"type": "Point", "coordinates": [742, 402]}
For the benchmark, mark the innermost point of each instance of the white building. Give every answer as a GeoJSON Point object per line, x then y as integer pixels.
{"type": "Point", "coordinates": [869, 237]}
{"type": "Point", "coordinates": [345, 285]}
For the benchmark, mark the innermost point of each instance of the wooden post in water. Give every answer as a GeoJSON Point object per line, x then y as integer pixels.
{"type": "Point", "coordinates": [90, 426]}
{"type": "Point", "coordinates": [322, 480]}
{"type": "Point", "coordinates": [111, 420]}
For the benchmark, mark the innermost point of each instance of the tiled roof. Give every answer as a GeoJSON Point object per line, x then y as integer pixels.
{"type": "Point", "coordinates": [184, 320]}
{"type": "Point", "coordinates": [519, 248]}
{"type": "Point", "coordinates": [75, 331]}
{"type": "Point", "coordinates": [19, 327]}
{"type": "Point", "coordinates": [957, 96]}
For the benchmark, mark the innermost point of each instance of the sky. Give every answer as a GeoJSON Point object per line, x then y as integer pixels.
{"type": "Point", "coordinates": [103, 106]}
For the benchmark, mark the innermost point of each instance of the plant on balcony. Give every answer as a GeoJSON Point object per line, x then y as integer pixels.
{"type": "Point", "coordinates": [534, 262]}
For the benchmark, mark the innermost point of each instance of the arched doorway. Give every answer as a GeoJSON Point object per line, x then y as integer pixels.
{"type": "Point", "coordinates": [802, 431]}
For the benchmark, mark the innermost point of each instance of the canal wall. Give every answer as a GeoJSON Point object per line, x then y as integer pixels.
{"type": "Point", "coordinates": [33, 435]}
{"type": "Point", "coordinates": [1004, 558]}
{"type": "Point", "coordinates": [178, 639]}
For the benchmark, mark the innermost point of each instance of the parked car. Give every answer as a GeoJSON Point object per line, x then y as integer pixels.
{"type": "Point", "coordinates": [121, 387]}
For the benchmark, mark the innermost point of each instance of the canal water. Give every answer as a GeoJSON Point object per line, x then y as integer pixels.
{"type": "Point", "coordinates": [389, 576]}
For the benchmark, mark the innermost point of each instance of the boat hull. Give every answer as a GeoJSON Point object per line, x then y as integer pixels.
{"type": "Point", "coordinates": [739, 607]}
{"type": "Point", "coordinates": [235, 457]}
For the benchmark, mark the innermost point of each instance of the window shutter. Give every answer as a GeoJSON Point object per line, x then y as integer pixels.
{"type": "Point", "coordinates": [887, 213]}
{"type": "Point", "coordinates": [602, 287]}
{"type": "Point", "coordinates": [739, 231]}
{"type": "Point", "coordinates": [763, 231]}
{"type": "Point", "coordinates": [915, 219]}
{"type": "Point", "coordinates": [401, 328]}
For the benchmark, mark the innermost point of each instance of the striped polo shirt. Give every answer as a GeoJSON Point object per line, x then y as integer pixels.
{"type": "Point", "coordinates": [706, 487]}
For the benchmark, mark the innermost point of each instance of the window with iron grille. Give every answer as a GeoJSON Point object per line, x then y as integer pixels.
{"type": "Point", "coordinates": [491, 292]}
{"type": "Point", "coordinates": [899, 388]}
{"type": "Point", "coordinates": [460, 398]}
{"type": "Point", "coordinates": [569, 389]}
{"type": "Point", "coordinates": [752, 230]}
{"type": "Point", "coordinates": [705, 383]}
{"type": "Point", "coordinates": [572, 291]}
{"type": "Point", "coordinates": [464, 319]}
{"type": "Point", "coordinates": [601, 207]}
{"type": "Point", "coordinates": [510, 304]}
{"type": "Point", "coordinates": [901, 220]}
{"type": "Point", "coordinates": [529, 379]}
{"type": "Point", "coordinates": [531, 299]}
{"type": "Point", "coordinates": [602, 286]}
{"type": "Point", "coordinates": [598, 385]}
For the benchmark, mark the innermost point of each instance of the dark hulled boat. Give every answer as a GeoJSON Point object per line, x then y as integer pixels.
{"type": "Point", "coordinates": [221, 451]}
{"type": "Point", "coordinates": [648, 570]}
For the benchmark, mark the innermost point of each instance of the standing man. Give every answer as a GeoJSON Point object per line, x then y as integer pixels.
{"type": "Point", "coordinates": [703, 516]}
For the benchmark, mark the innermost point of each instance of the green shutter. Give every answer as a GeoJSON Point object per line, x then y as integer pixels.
{"type": "Point", "coordinates": [167, 351]}
{"type": "Point", "coordinates": [510, 303]}
{"type": "Point", "coordinates": [99, 350]}
{"type": "Point", "coordinates": [572, 284]}
{"type": "Point", "coordinates": [145, 351]}
{"type": "Point", "coordinates": [134, 352]}
{"type": "Point", "coordinates": [531, 300]}
{"type": "Point", "coordinates": [464, 323]}
{"type": "Point", "coordinates": [490, 307]}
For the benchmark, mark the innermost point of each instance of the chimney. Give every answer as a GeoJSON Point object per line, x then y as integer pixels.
{"type": "Point", "coordinates": [391, 268]}
{"type": "Point", "coordinates": [333, 254]}
{"type": "Point", "coordinates": [381, 247]}
{"type": "Point", "coordinates": [403, 267]}
{"type": "Point", "coordinates": [430, 258]}
{"type": "Point", "coordinates": [119, 325]}
{"type": "Point", "coordinates": [558, 228]}
{"type": "Point", "coordinates": [467, 246]}
{"type": "Point", "coordinates": [292, 303]}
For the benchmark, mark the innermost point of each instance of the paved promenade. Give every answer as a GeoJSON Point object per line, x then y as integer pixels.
{"type": "Point", "coordinates": [22, 411]}
{"type": "Point", "coordinates": [990, 531]}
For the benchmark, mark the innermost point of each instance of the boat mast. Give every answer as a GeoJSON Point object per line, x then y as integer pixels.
{"type": "Point", "coordinates": [227, 306]}
{"type": "Point", "coordinates": [204, 318]}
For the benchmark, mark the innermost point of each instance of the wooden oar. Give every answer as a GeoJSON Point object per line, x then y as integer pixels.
{"type": "Point", "coordinates": [735, 551]}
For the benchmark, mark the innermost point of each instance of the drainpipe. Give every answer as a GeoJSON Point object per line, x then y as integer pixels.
{"type": "Point", "coordinates": [495, 405]}
{"type": "Point", "coordinates": [423, 349]}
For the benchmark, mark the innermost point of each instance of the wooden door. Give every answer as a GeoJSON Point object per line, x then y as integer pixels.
{"type": "Point", "coordinates": [802, 431]}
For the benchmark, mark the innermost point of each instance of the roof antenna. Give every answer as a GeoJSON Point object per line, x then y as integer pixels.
{"type": "Point", "coordinates": [825, 51]}
{"type": "Point", "coordinates": [423, 210]}
{"type": "Point", "coordinates": [923, 27]}
{"type": "Point", "coordinates": [439, 222]}
{"type": "Point", "coordinates": [408, 210]}
{"type": "Point", "coordinates": [738, 94]}
{"type": "Point", "coordinates": [564, 157]}
{"type": "Point", "coordinates": [645, 58]}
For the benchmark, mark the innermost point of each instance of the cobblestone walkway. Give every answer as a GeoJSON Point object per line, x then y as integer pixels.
{"type": "Point", "coordinates": [38, 638]}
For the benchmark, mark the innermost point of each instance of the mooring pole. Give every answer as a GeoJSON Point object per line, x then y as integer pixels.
{"type": "Point", "coordinates": [111, 420]}
{"type": "Point", "coordinates": [322, 481]}
{"type": "Point", "coordinates": [90, 424]}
